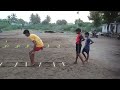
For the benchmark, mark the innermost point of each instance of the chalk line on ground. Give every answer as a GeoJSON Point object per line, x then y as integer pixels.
{"type": "Point", "coordinates": [1, 64]}
{"type": "Point", "coordinates": [59, 46]}
{"type": "Point", "coordinates": [48, 45]}
{"type": "Point", "coordinates": [54, 64]}
{"type": "Point", "coordinates": [40, 64]}
{"type": "Point", "coordinates": [16, 64]}
{"type": "Point", "coordinates": [26, 64]}
{"type": "Point", "coordinates": [63, 63]}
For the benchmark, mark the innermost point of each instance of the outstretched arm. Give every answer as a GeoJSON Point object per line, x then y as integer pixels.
{"type": "Point", "coordinates": [91, 41]}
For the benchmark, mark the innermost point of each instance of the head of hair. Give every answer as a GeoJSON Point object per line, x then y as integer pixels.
{"type": "Point", "coordinates": [87, 33]}
{"type": "Point", "coordinates": [78, 30]}
{"type": "Point", "coordinates": [26, 32]}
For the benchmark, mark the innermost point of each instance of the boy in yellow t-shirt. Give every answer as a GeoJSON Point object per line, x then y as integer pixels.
{"type": "Point", "coordinates": [38, 44]}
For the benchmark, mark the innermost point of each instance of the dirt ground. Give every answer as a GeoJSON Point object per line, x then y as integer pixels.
{"type": "Point", "coordinates": [104, 62]}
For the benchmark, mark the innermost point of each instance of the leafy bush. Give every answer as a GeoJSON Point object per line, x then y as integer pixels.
{"type": "Point", "coordinates": [5, 25]}
{"type": "Point", "coordinates": [10, 27]}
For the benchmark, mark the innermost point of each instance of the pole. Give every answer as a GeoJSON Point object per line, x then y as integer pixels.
{"type": "Point", "coordinates": [78, 19]}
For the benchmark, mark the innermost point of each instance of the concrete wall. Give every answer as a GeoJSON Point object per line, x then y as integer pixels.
{"type": "Point", "coordinates": [104, 28]}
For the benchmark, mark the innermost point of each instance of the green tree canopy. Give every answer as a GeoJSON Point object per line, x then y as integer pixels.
{"type": "Point", "coordinates": [47, 20]}
{"type": "Point", "coordinates": [96, 17]}
{"type": "Point", "coordinates": [35, 19]}
{"type": "Point", "coordinates": [61, 22]}
{"type": "Point", "coordinates": [3, 23]}
{"type": "Point", "coordinates": [12, 18]}
{"type": "Point", "coordinates": [78, 22]}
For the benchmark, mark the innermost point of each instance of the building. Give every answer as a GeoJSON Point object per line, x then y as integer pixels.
{"type": "Point", "coordinates": [113, 28]}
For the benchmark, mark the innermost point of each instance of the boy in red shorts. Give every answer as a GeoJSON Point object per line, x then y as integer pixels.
{"type": "Point", "coordinates": [38, 45]}
{"type": "Point", "coordinates": [79, 40]}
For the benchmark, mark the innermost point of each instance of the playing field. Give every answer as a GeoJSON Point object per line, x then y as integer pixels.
{"type": "Point", "coordinates": [55, 61]}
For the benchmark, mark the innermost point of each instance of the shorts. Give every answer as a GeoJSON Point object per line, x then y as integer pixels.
{"type": "Point", "coordinates": [86, 50]}
{"type": "Point", "coordinates": [78, 48]}
{"type": "Point", "coordinates": [38, 48]}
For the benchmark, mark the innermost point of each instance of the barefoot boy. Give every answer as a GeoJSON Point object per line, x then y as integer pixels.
{"type": "Point", "coordinates": [38, 45]}
{"type": "Point", "coordinates": [79, 40]}
{"type": "Point", "coordinates": [86, 48]}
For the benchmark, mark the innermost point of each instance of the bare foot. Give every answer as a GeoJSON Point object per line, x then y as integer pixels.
{"type": "Point", "coordinates": [83, 62]}
{"type": "Point", "coordinates": [75, 62]}
{"type": "Point", "coordinates": [86, 61]}
{"type": "Point", "coordinates": [32, 64]}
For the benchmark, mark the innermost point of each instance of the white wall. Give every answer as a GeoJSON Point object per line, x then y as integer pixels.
{"type": "Point", "coordinates": [118, 28]}
{"type": "Point", "coordinates": [104, 28]}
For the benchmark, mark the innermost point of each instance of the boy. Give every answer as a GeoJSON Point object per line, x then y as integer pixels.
{"type": "Point", "coordinates": [38, 45]}
{"type": "Point", "coordinates": [86, 48]}
{"type": "Point", "coordinates": [79, 40]}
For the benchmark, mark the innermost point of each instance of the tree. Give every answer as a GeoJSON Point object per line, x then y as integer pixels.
{"type": "Point", "coordinates": [22, 22]}
{"type": "Point", "coordinates": [38, 20]}
{"type": "Point", "coordinates": [35, 19]}
{"type": "Point", "coordinates": [12, 18]}
{"type": "Point", "coordinates": [58, 22]}
{"type": "Point", "coordinates": [64, 22]}
{"type": "Point", "coordinates": [96, 17]}
{"type": "Point", "coordinates": [47, 20]}
{"type": "Point", "coordinates": [79, 22]}
{"type": "Point", "coordinates": [117, 19]}
{"type": "Point", "coordinates": [61, 22]}
{"type": "Point", "coordinates": [3, 23]}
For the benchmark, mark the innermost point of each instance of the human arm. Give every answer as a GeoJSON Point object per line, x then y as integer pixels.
{"type": "Point", "coordinates": [82, 38]}
{"type": "Point", "coordinates": [34, 42]}
{"type": "Point", "coordinates": [91, 42]}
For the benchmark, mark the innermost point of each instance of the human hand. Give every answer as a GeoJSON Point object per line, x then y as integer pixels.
{"type": "Point", "coordinates": [33, 52]}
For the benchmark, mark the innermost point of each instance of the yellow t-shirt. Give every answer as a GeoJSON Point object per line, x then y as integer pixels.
{"type": "Point", "coordinates": [37, 39]}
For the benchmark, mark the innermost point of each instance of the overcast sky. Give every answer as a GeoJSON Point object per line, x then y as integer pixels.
{"type": "Point", "coordinates": [70, 16]}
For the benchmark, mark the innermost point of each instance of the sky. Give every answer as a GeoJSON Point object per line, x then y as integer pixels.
{"type": "Point", "coordinates": [70, 16]}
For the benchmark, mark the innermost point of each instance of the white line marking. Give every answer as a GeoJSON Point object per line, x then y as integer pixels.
{"type": "Point", "coordinates": [63, 63]}
{"type": "Point", "coordinates": [1, 63]}
{"type": "Point", "coordinates": [16, 64]}
{"type": "Point", "coordinates": [26, 64]}
{"type": "Point", "coordinates": [54, 64]}
{"type": "Point", "coordinates": [40, 64]}
{"type": "Point", "coordinates": [59, 46]}
{"type": "Point", "coordinates": [48, 45]}
{"type": "Point", "coordinates": [5, 46]}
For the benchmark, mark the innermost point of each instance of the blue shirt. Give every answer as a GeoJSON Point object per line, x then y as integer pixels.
{"type": "Point", "coordinates": [87, 43]}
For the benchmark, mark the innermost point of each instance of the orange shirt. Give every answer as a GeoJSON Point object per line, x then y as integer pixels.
{"type": "Point", "coordinates": [37, 39]}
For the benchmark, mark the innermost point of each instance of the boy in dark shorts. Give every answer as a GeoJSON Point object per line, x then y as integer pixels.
{"type": "Point", "coordinates": [38, 45]}
{"type": "Point", "coordinates": [79, 40]}
{"type": "Point", "coordinates": [86, 48]}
